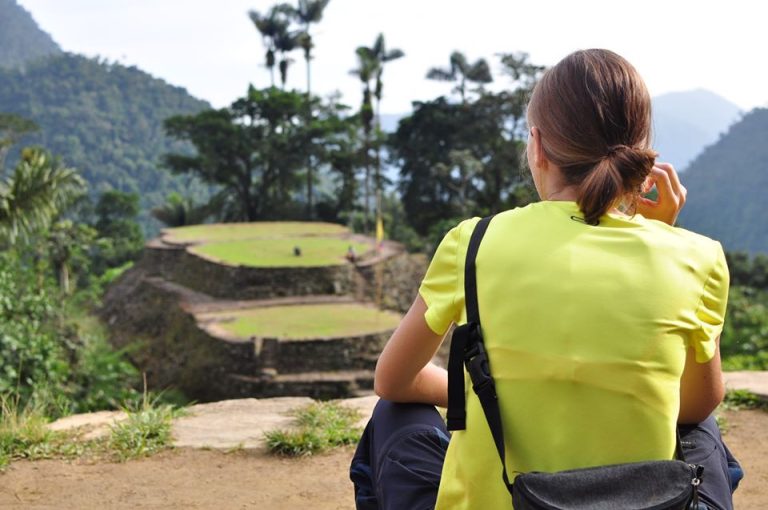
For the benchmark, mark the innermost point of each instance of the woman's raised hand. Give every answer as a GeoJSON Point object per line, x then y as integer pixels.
{"type": "Point", "coordinates": [671, 194]}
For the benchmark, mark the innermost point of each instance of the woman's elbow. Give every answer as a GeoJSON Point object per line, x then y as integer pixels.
{"type": "Point", "coordinates": [697, 409]}
{"type": "Point", "coordinates": [382, 391]}
{"type": "Point", "coordinates": [384, 386]}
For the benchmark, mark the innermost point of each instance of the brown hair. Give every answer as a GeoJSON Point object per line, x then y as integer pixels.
{"type": "Point", "coordinates": [594, 115]}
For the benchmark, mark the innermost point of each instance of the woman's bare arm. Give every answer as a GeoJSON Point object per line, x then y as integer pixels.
{"type": "Point", "coordinates": [404, 372]}
{"type": "Point", "coordinates": [701, 387]}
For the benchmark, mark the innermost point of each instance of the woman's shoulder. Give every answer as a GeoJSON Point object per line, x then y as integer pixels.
{"type": "Point", "coordinates": [687, 239]}
{"type": "Point", "coordinates": [463, 230]}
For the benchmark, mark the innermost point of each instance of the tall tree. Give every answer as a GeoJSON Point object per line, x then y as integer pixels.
{"type": "Point", "coordinates": [381, 56]}
{"type": "Point", "coordinates": [68, 242]}
{"type": "Point", "coordinates": [255, 150]}
{"type": "Point", "coordinates": [365, 71]}
{"type": "Point", "coordinates": [460, 159]}
{"type": "Point", "coordinates": [461, 71]}
{"type": "Point", "coordinates": [272, 26]}
{"type": "Point", "coordinates": [120, 235]}
{"type": "Point", "coordinates": [307, 13]}
{"type": "Point", "coordinates": [285, 43]}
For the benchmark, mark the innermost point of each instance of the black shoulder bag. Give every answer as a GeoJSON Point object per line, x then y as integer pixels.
{"type": "Point", "coordinates": [652, 485]}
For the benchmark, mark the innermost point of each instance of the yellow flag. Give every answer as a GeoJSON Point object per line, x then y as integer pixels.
{"type": "Point", "coordinates": [379, 231]}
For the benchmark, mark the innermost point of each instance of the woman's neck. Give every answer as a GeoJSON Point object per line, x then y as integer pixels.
{"type": "Point", "coordinates": [562, 194]}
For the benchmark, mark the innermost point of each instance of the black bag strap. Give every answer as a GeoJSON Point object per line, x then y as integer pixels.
{"type": "Point", "coordinates": [465, 334]}
{"type": "Point", "coordinates": [468, 349]}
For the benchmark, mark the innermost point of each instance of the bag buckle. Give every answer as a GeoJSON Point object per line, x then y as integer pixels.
{"type": "Point", "coordinates": [476, 359]}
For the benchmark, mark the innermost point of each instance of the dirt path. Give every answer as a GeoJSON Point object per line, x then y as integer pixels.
{"type": "Point", "coordinates": [203, 479]}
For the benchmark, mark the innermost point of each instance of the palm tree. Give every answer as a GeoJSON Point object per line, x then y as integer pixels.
{"type": "Point", "coordinates": [66, 241]}
{"type": "Point", "coordinates": [365, 71]}
{"type": "Point", "coordinates": [462, 71]}
{"type": "Point", "coordinates": [271, 26]}
{"type": "Point", "coordinates": [34, 194]}
{"type": "Point", "coordinates": [179, 211]}
{"type": "Point", "coordinates": [285, 42]}
{"type": "Point", "coordinates": [308, 12]}
{"type": "Point", "coordinates": [381, 56]}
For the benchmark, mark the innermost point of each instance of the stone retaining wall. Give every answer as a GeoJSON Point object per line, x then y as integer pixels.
{"type": "Point", "coordinates": [323, 354]}
{"type": "Point", "coordinates": [165, 342]}
{"type": "Point", "coordinates": [242, 282]}
{"type": "Point", "coordinates": [392, 282]}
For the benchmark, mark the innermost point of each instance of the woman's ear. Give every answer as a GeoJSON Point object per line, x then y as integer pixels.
{"type": "Point", "coordinates": [537, 149]}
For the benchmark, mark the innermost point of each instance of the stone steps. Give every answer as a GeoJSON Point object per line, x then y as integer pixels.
{"type": "Point", "coordinates": [322, 385]}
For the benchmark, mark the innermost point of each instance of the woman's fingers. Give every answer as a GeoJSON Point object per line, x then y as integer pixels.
{"type": "Point", "coordinates": [677, 187]}
{"type": "Point", "coordinates": [671, 195]}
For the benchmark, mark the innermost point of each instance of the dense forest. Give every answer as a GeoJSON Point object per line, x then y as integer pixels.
{"type": "Point", "coordinates": [103, 119]}
{"type": "Point", "coordinates": [21, 40]}
{"type": "Point", "coordinates": [726, 184]}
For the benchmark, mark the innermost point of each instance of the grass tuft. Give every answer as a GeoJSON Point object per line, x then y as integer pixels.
{"type": "Point", "coordinates": [145, 431]}
{"type": "Point", "coordinates": [24, 435]}
{"type": "Point", "coordinates": [743, 399]}
{"type": "Point", "coordinates": [321, 426]}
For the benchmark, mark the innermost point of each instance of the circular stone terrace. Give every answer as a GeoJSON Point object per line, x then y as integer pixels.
{"type": "Point", "coordinates": [302, 321]}
{"type": "Point", "coordinates": [270, 244]}
{"type": "Point", "coordinates": [320, 346]}
{"type": "Point", "coordinates": [266, 321]}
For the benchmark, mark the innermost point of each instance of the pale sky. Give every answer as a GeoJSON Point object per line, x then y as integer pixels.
{"type": "Point", "coordinates": [211, 48]}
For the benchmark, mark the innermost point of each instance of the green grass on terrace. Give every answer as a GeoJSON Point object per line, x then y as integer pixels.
{"type": "Point", "coordinates": [308, 321]}
{"type": "Point", "coordinates": [234, 231]}
{"type": "Point", "coordinates": [315, 251]}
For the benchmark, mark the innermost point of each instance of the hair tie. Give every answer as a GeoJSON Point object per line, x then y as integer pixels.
{"type": "Point", "coordinates": [613, 149]}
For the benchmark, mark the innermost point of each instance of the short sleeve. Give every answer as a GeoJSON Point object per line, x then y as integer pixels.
{"type": "Point", "coordinates": [710, 314]}
{"type": "Point", "coordinates": [440, 284]}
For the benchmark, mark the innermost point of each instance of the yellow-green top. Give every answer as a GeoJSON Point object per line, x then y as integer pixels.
{"type": "Point", "coordinates": [586, 329]}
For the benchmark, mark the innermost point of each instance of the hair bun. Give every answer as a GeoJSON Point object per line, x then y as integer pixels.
{"type": "Point", "coordinates": [633, 163]}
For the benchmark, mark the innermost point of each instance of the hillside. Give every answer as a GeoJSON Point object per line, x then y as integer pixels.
{"type": "Point", "coordinates": [726, 187]}
{"type": "Point", "coordinates": [686, 122]}
{"type": "Point", "coordinates": [102, 118]}
{"type": "Point", "coordinates": [21, 40]}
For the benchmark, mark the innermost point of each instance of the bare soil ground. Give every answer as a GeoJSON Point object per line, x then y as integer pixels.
{"type": "Point", "coordinates": [204, 479]}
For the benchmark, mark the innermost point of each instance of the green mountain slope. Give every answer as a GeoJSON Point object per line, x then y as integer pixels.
{"type": "Point", "coordinates": [727, 187]}
{"type": "Point", "coordinates": [103, 119]}
{"type": "Point", "coordinates": [21, 40]}
{"type": "Point", "coordinates": [686, 122]}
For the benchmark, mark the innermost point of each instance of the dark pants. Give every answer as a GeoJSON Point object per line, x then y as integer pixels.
{"type": "Point", "coordinates": [399, 459]}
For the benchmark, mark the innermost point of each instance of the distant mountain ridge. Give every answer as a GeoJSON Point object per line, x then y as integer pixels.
{"type": "Point", "coordinates": [104, 119]}
{"type": "Point", "coordinates": [727, 186]}
{"type": "Point", "coordinates": [21, 40]}
{"type": "Point", "coordinates": [686, 122]}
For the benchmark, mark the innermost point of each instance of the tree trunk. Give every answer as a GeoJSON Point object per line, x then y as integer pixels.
{"type": "Point", "coordinates": [367, 185]}
{"type": "Point", "coordinates": [64, 278]}
{"type": "Point", "coordinates": [310, 170]}
{"type": "Point", "coordinates": [378, 161]}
